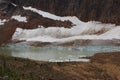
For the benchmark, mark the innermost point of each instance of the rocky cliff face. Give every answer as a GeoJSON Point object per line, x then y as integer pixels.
{"type": "Point", "coordinates": [107, 11]}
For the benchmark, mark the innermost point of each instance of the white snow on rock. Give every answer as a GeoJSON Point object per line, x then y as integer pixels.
{"type": "Point", "coordinates": [14, 4]}
{"type": "Point", "coordinates": [79, 27]}
{"type": "Point", "coordinates": [51, 35]}
{"type": "Point", "coordinates": [19, 18]}
{"type": "Point", "coordinates": [80, 30]}
{"type": "Point", "coordinates": [112, 34]}
{"type": "Point", "coordinates": [2, 21]}
{"type": "Point", "coordinates": [73, 19]}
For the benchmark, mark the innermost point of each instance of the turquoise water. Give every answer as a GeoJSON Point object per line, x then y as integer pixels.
{"type": "Point", "coordinates": [55, 53]}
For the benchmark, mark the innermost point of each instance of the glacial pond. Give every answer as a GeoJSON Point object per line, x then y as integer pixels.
{"type": "Point", "coordinates": [55, 53]}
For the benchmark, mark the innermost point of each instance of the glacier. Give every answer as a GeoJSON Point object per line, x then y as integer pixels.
{"type": "Point", "coordinates": [79, 30]}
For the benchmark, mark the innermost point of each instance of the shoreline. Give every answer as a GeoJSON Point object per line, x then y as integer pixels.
{"type": "Point", "coordinates": [102, 66]}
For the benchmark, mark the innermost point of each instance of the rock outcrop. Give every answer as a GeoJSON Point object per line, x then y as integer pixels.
{"type": "Point", "coordinates": [107, 11]}
{"type": "Point", "coordinates": [7, 31]}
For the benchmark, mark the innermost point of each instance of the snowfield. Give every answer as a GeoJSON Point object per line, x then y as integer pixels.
{"type": "Point", "coordinates": [80, 30]}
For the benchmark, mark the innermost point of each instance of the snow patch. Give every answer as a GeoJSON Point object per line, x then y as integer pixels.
{"type": "Point", "coordinates": [73, 19]}
{"type": "Point", "coordinates": [2, 21]}
{"type": "Point", "coordinates": [14, 4]}
{"type": "Point", "coordinates": [112, 34]}
{"type": "Point", "coordinates": [19, 18]}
